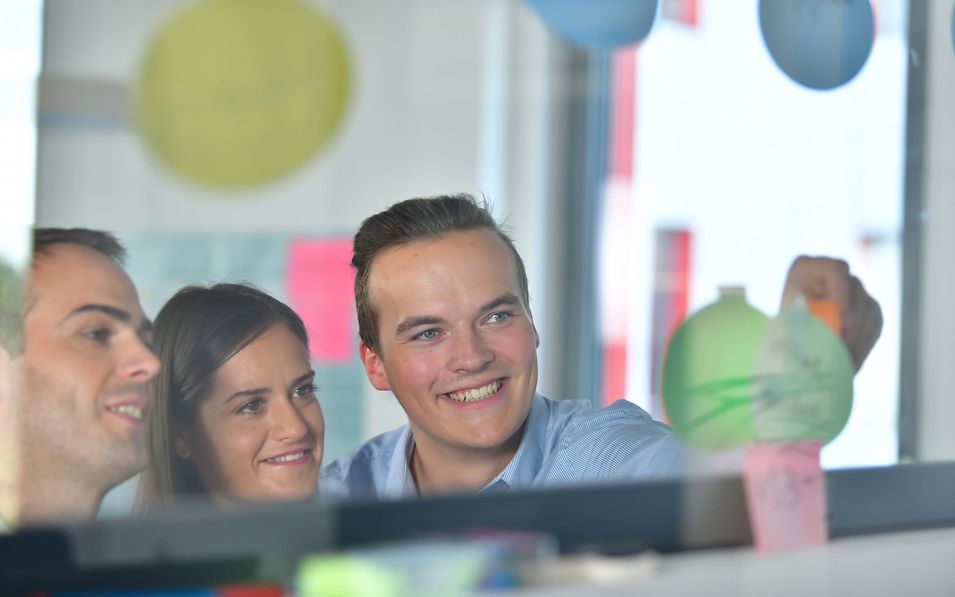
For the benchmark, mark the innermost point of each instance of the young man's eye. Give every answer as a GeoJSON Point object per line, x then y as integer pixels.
{"type": "Point", "coordinates": [427, 335]}
{"type": "Point", "coordinates": [252, 406]}
{"type": "Point", "coordinates": [305, 391]}
{"type": "Point", "coordinates": [499, 317]}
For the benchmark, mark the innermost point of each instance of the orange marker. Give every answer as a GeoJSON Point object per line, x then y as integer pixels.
{"type": "Point", "coordinates": [829, 313]}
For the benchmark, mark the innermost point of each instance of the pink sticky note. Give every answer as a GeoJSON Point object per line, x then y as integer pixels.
{"type": "Point", "coordinates": [320, 289]}
{"type": "Point", "coordinates": [785, 495]}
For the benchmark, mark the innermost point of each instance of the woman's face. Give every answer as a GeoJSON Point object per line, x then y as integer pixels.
{"type": "Point", "coordinates": [259, 432]}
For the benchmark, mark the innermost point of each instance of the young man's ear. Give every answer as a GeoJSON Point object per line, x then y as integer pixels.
{"type": "Point", "coordinates": [374, 368]}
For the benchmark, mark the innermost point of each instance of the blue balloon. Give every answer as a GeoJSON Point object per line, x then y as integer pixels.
{"type": "Point", "coordinates": [603, 24]}
{"type": "Point", "coordinates": [821, 44]}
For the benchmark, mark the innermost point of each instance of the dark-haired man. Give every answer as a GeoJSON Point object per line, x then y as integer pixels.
{"type": "Point", "coordinates": [445, 324]}
{"type": "Point", "coordinates": [78, 374]}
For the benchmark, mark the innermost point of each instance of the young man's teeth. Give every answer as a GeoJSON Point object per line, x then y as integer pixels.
{"type": "Point", "coordinates": [476, 393]}
{"type": "Point", "coordinates": [288, 457]}
{"type": "Point", "coordinates": [129, 410]}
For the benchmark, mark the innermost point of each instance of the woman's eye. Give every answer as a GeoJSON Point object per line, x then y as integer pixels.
{"type": "Point", "coordinates": [427, 335]}
{"type": "Point", "coordinates": [252, 406]}
{"type": "Point", "coordinates": [306, 391]}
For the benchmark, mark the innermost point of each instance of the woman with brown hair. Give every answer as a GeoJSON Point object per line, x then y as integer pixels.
{"type": "Point", "coordinates": [235, 418]}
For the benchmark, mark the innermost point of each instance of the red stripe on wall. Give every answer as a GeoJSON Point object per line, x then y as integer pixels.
{"type": "Point", "coordinates": [615, 372]}
{"type": "Point", "coordinates": [623, 89]}
{"type": "Point", "coordinates": [671, 295]}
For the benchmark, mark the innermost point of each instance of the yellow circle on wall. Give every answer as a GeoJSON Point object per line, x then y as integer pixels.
{"type": "Point", "coordinates": [241, 92]}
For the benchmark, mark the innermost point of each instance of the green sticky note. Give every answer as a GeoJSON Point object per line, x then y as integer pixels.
{"type": "Point", "coordinates": [347, 576]}
{"type": "Point", "coordinates": [707, 374]}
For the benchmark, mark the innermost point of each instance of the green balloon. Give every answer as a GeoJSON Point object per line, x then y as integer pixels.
{"type": "Point", "coordinates": [707, 373]}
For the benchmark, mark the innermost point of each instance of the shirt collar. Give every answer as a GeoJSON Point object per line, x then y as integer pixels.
{"type": "Point", "coordinates": [399, 482]}
{"type": "Point", "coordinates": [520, 471]}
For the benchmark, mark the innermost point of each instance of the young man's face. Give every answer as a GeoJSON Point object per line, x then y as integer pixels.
{"type": "Point", "coordinates": [457, 344]}
{"type": "Point", "coordinates": [83, 374]}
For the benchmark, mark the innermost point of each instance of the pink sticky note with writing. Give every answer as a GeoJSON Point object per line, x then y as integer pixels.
{"type": "Point", "coordinates": [785, 495]}
{"type": "Point", "coordinates": [320, 289]}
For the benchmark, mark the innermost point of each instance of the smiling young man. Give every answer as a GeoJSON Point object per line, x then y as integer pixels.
{"type": "Point", "coordinates": [445, 324]}
{"type": "Point", "coordinates": [78, 379]}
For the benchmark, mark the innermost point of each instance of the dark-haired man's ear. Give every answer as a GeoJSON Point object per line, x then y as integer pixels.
{"type": "Point", "coordinates": [374, 367]}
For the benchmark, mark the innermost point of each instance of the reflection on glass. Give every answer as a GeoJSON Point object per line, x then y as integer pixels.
{"type": "Point", "coordinates": [719, 171]}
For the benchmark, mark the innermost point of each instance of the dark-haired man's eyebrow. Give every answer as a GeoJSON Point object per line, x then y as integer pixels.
{"type": "Point", "coordinates": [112, 312]}
{"type": "Point", "coordinates": [144, 330]}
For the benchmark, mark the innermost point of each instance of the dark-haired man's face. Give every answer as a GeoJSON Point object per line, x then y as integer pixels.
{"type": "Point", "coordinates": [83, 374]}
{"type": "Point", "coordinates": [457, 345]}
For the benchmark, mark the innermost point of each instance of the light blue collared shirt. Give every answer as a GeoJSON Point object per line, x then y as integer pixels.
{"type": "Point", "coordinates": [565, 443]}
